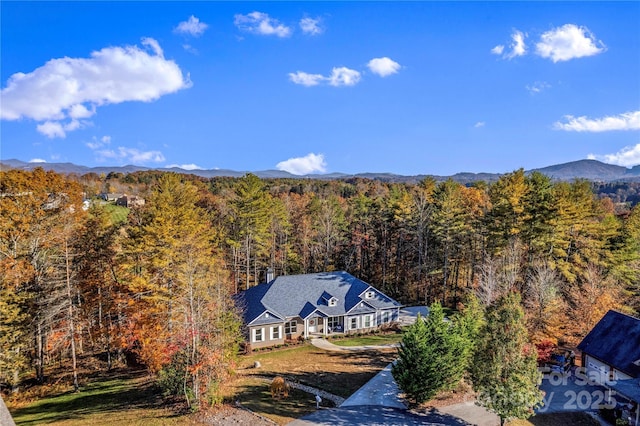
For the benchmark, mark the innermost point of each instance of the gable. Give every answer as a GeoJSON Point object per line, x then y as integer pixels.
{"type": "Point", "coordinates": [324, 294]}
{"type": "Point", "coordinates": [267, 317]}
{"type": "Point", "coordinates": [615, 340]}
{"type": "Point", "coordinates": [361, 308]}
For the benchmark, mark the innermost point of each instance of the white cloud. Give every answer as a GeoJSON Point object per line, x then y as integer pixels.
{"type": "Point", "coordinates": [568, 42]}
{"type": "Point", "coordinates": [184, 166]}
{"type": "Point", "coordinates": [56, 129]}
{"type": "Point", "coordinates": [383, 66]}
{"type": "Point", "coordinates": [37, 160]}
{"type": "Point", "coordinates": [343, 76]}
{"type": "Point", "coordinates": [131, 155]}
{"type": "Point", "coordinates": [537, 87]}
{"type": "Point", "coordinates": [625, 121]}
{"type": "Point", "coordinates": [189, 48]}
{"type": "Point", "coordinates": [627, 156]}
{"type": "Point", "coordinates": [154, 45]}
{"type": "Point", "coordinates": [340, 76]}
{"type": "Point", "coordinates": [261, 23]}
{"type": "Point", "coordinates": [517, 46]}
{"type": "Point", "coordinates": [479, 124]}
{"type": "Point", "coordinates": [311, 163]}
{"type": "Point", "coordinates": [192, 27]}
{"type": "Point", "coordinates": [498, 49]}
{"type": "Point", "coordinates": [51, 129]}
{"type": "Point", "coordinates": [96, 143]}
{"type": "Point", "coordinates": [72, 88]}
{"type": "Point", "coordinates": [311, 26]}
{"type": "Point", "coordinates": [81, 111]}
{"type": "Point", "coordinates": [306, 79]}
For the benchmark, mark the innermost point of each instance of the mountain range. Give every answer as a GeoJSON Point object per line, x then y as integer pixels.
{"type": "Point", "coordinates": [592, 170]}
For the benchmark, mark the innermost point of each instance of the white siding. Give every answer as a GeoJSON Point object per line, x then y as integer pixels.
{"type": "Point", "coordinates": [619, 375]}
{"type": "Point", "coordinates": [596, 370]}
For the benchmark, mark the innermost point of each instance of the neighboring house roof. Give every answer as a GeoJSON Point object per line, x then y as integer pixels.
{"type": "Point", "coordinates": [292, 296]}
{"type": "Point", "coordinates": [615, 340]}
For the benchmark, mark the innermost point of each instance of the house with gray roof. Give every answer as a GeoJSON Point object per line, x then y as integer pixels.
{"type": "Point", "coordinates": [611, 357]}
{"type": "Point", "coordinates": [293, 306]}
{"type": "Point", "coordinates": [611, 350]}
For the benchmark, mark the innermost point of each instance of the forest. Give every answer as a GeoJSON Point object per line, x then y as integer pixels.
{"type": "Point", "coordinates": [153, 285]}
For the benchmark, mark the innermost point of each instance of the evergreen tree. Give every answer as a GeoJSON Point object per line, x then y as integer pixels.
{"type": "Point", "coordinates": [431, 357]}
{"type": "Point", "coordinates": [468, 322]}
{"type": "Point", "coordinates": [504, 370]}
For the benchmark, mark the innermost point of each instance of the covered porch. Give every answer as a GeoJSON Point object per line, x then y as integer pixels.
{"type": "Point", "coordinates": [319, 324]}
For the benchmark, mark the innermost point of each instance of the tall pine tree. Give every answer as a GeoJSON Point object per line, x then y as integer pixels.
{"type": "Point", "coordinates": [504, 370]}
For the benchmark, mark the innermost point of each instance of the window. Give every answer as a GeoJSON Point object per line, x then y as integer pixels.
{"type": "Point", "coordinates": [353, 324]}
{"type": "Point", "coordinates": [275, 332]}
{"type": "Point", "coordinates": [257, 335]}
{"type": "Point", "coordinates": [385, 317]}
{"type": "Point", "coordinates": [291, 327]}
{"type": "Point", "coordinates": [333, 301]}
{"type": "Point", "coordinates": [369, 294]}
{"type": "Point", "coordinates": [367, 321]}
{"type": "Point", "coordinates": [334, 322]}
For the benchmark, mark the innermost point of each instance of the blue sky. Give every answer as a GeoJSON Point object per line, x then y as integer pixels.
{"type": "Point", "coordinates": [408, 88]}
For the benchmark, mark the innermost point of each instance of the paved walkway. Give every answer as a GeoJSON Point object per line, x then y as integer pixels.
{"type": "Point", "coordinates": [328, 346]}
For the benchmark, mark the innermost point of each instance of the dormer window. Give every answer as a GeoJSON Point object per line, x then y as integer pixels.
{"type": "Point", "coordinates": [369, 294]}
{"type": "Point", "coordinates": [328, 299]}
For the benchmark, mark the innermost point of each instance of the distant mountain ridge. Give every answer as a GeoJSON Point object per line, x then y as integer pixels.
{"type": "Point", "coordinates": [582, 169]}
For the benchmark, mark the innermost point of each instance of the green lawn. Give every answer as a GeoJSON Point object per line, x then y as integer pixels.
{"type": "Point", "coordinates": [126, 400]}
{"type": "Point", "coordinates": [369, 340]}
{"type": "Point", "coordinates": [131, 398]}
{"type": "Point", "coordinates": [118, 213]}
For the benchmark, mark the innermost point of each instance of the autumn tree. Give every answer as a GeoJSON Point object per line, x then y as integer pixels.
{"type": "Point", "coordinates": [251, 226]}
{"type": "Point", "coordinates": [185, 328]}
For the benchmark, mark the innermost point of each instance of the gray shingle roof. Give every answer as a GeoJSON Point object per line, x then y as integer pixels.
{"type": "Point", "coordinates": [615, 340]}
{"type": "Point", "coordinates": [299, 295]}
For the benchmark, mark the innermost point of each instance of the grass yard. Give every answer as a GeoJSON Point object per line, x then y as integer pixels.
{"type": "Point", "coordinates": [369, 340]}
{"type": "Point", "coordinates": [118, 213]}
{"type": "Point", "coordinates": [557, 419]}
{"type": "Point", "coordinates": [336, 372]}
{"type": "Point", "coordinates": [255, 395]}
{"type": "Point", "coordinates": [130, 399]}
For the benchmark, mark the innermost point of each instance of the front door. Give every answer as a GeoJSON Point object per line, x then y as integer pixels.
{"type": "Point", "coordinates": [313, 325]}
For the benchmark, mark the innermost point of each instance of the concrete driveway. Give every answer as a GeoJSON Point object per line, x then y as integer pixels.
{"type": "Point", "coordinates": [571, 392]}
{"type": "Point", "coordinates": [374, 416]}
{"type": "Point", "coordinates": [381, 391]}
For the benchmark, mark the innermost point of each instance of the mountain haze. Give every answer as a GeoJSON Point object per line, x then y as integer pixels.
{"type": "Point", "coordinates": [582, 169]}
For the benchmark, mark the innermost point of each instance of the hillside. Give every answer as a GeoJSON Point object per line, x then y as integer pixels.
{"type": "Point", "coordinates": [582, 169]}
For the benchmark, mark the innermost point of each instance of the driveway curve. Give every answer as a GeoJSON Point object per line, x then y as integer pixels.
{"type": "Point", "coordinates": [375, 415]}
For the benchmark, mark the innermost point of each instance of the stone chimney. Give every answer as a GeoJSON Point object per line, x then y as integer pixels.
{"type": "Point", "coordinates": [270, 276]}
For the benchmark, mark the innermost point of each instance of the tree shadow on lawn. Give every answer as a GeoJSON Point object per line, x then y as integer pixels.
{"type": "Point", "coordinates": [339, 373]}
{"type": "Point", "coordinates": [256, 396]}
{"type": "Point", "coordinates": [129, 391]}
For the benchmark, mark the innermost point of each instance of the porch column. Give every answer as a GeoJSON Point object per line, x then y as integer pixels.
{"type": "Point", "coordinates": [306, 329]}
{"type": "Point", "coordinates": [324, 326]}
